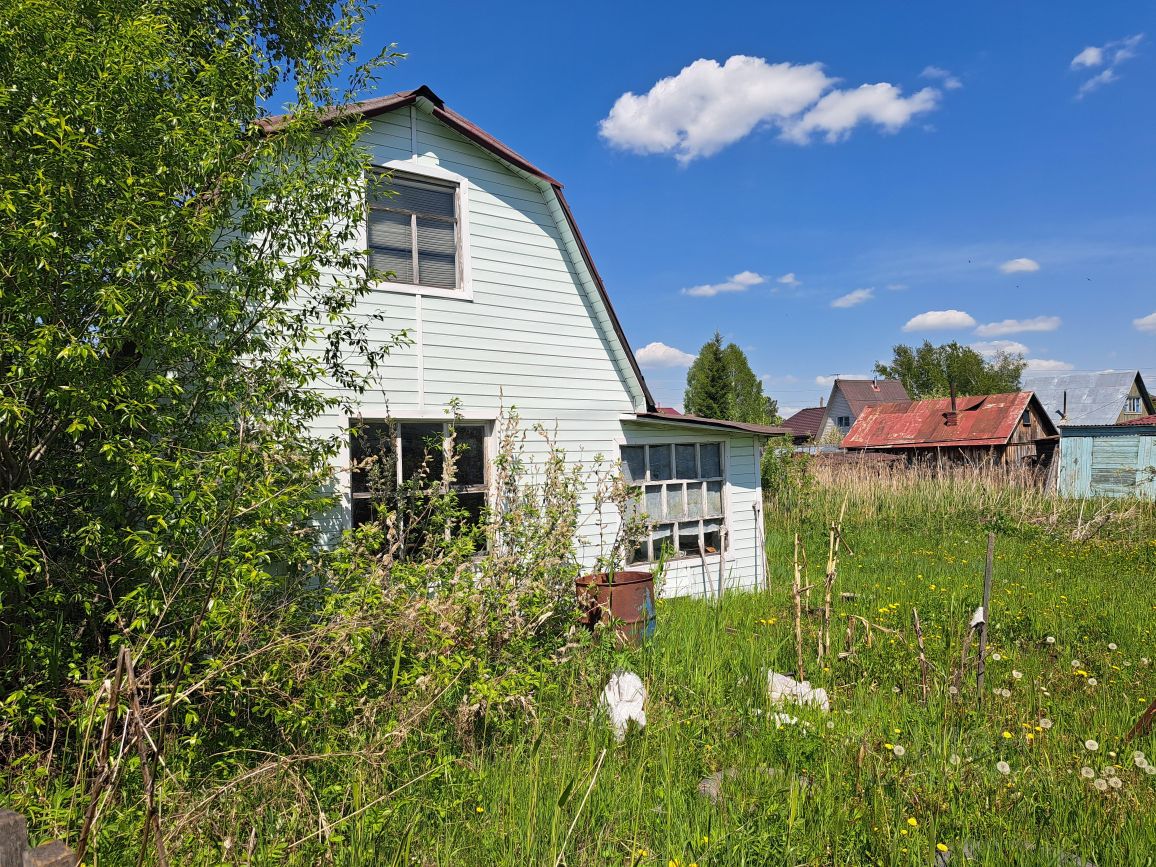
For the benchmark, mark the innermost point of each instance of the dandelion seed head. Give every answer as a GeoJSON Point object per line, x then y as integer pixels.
{"type": "Point", "coordinates": [1050, 639]}
{"type": "Point", "coordinates": [996, 657]}
{"type": "Point", "coordinates": [1109, 771]}
{"type": "Point", "coordinates": [1091, 745]}
{"type": "Point", "coordinates": [1092, 681]}
{"type": "Point", "coordinates": [1116, 783]}
{"type": "Point", "coordinates": [898, 750]}
{"type": "Point", "coordinates": [1087, 773]}
{"type": "Point", "coordinates": [1077, 664]}
{"type": "Point", "coordinates": [1017, 674]}
{"type": "Point", "coordinates": [954, 759]}
{"type": "Point", "coordinates": [1111, 646]}
{"type": "Point", "coordinates": [1045, 723]}
{"type": "Point", "coordinates": [1003, 767]}
{"type": "Point", "coordinates": [951, 690]}
{"type": "Point", "coordinates": [1150, 769]}
{"type": "Point", "coordinates": [1102, 785]}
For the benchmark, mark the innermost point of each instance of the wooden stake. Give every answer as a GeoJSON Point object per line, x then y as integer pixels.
{"type": "Point", "coordinates": [922, 654]}
{"type": "Point", "coordinates": [797, 583]}
{"type": "Point", "coordinates": [1144, 724]}
{"type": "Point", "coordinates": [987, 572]}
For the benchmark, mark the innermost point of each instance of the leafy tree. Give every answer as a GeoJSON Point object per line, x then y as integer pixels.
{"type": "Point", "coordinates": [173, 281]}
{"type": "Point", "coordinates": [720, 384]}
{"type": "Point", "coordinates": [929, 371]}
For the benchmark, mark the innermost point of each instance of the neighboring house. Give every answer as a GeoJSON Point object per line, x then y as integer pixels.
{"type": "Point", "coordinates": [505, 308]}
{"type": "Point", "coordinates": [1115, 460]}
{"type": "Point", "coordinates": [1002, 428]}
{"type": "Point", "coordinates": [849, 397]}
{"type": "Point", "coordinates": [806, 424]}
{"type": "Point", "coordinates": [1104, 398]}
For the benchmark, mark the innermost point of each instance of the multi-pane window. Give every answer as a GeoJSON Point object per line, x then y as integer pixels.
{"type": "Point", "coordinates": [413, 233]}
{"type": "Point", "coordinates": [386, 456]}
{"type": "Point", "coordinates": [681, 489]}
{"type": "Point", "coordinates": [843, 421]}
{"type": "Point", "coordinates": [1132, 405]}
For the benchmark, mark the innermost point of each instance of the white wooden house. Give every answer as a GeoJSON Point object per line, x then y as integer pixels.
{"type": "Point", "coordinates": [504, 306]}
{"type": "Point", "coordinates": [849, 397]}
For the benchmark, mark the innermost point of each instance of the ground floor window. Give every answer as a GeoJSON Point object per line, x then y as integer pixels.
{"type": "Point", "coordinates": [395, 461]}
{"type": "Point", "coordinates": [681, 491]}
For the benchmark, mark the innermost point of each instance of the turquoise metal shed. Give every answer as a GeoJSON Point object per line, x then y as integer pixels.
{"type": "Point", "coordinates": [1117, 460]}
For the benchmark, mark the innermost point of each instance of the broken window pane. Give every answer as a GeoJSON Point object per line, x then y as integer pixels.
{"type": "Point", "coordinates": [662, 538]}
{"type": "Point", "coordinates": [711, 456]}
{"type": "Point", "coordinates": [712, 536]}
{"type": "Point", "coordinates": [684, 463]}
{"type": "Point", "coordinates": [660, 463]}
{"type": "Point", "coordinates": [641, 554]}
{"type": "Point", "coordinates": [634, 463]}
{"type": "Point", "coordinates": [688, 538]}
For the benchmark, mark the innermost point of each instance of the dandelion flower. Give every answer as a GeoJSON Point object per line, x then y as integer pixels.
{"type": "Point", "coordinates": [1077, 664]}
{"type": "Point", "coordinates": [1116, 783]}
{"type": "Point", "coordinates": [1111, 646]}
{"type": "Point", "coordinates": [1045, 723]}
{"type": "Point", "coordinates": [889, 746]}
{"type": "Point", "coordinates": [1150, 769]}
{"type": "Point", "coordinates": [1092, 681]}
{"type": "Point", "coordinates": [1017, 674]}
{"type": "Point", "coordinates": [1109, 771]}
{"type": "Point", "coordinates": [1087, 773]}
{"type": "Point", "coordinates": [479, 809]}
{"type": "Point", "coordinates": [954, 759]}
{"type": "Point", "coordinates": [1003, 767]}
{"type": "Point", "coordinates": [898, 750]}
{"type": "Point", "coordinates": [1102, 785]}
{"type": "Point", "coordinates": [1090, 745]}
{"type": "Point", "coordinates": [1007, 734]}
{"type": "Point", "coordinates": [942, 847]}
{"type": "Point", "coordinates": [1139, 759]}
{"type": "Point", "coordinates": [1050, 639]}
{"type": "Point", "coordinates": [913, 822]}
{"type": "Point", "coordinates": [951, 690]}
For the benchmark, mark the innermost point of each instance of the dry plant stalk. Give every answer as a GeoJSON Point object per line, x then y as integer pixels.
{"type": "Point", "coordinates": [987, 575]}
{"type": "Point", "coordinates": [922, 654]}
{"type": "Point", "coordinates": [796, 583]}
{"type": "Point", "coordinates": [833, 542]}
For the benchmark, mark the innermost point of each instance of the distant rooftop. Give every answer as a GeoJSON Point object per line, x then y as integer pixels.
{"type": "Point", "coordinates": [1093, 398]}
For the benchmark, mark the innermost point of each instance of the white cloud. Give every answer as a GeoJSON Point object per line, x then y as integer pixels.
{"type": "Point", "coordinates": [990, 348]}
{"type": "Point", "coordinates": [660, 355]}
{"type": "Point", "coordinates": [1017, 266]}
{"type": "Point", "coordinates": [740, 282]}
{"type": "Point", "coordinates": [1090, 56]}
{"type": "Point", "coordinates": [1146, 323]}
{"type": "Point", "coordinates": [789, 279]}
{"type": "Point", "coordinates": [1110, 56]}
{"type": "Point", "coordinates": [830, 380]}
{"type": "Point", "coordinates": [1018, 326]}
{"type": "Point", "coordinates": [1045, 365]}
{"type": "Point", "coordinates": [708, 106]}
{"type": "Point", "coordinates": [938, 73]}
{"type": "Point", "coordinates": [853, 298]}
{"type": "Point", "coordinates": [840, 111]}
{"type": "Point", "coordinates": [896, 287]}
{"type": "Point", "coordinates": [934, 320]}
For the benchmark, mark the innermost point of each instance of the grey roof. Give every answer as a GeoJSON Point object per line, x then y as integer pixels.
{"type": "Point", "coordinates": [1093, 398]}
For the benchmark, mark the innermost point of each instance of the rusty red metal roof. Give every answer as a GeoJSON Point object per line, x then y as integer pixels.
{"type": "Point", "coordinates": [982, 420]}
{"type": "Point", "coordinates": [806, 422]}
{"type": "Point", "coordinates": [1146, 419]}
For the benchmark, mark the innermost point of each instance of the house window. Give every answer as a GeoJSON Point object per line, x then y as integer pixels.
{"type": "Point", "coordinates": [681, 488]}
{"type": "Point", "coordinates": [1132, 405]}
{"type": "Point", "coordinates": [1026, 418]}
{"type": "Point", "coordinates": [843, 421]}
{"type": "Point", "coordinates": [413, 233]}
{"type": "Point", "coordinates": [395, 463]}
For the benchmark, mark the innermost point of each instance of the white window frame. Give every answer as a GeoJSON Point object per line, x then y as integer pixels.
{"type": "Point", "coordinates": [723, 517]}
{"type": "Point", "coordinates": [1133, 404]}
{"type": "Point", "coordinates": [420, 169]}
{"type": "Point", "coordinates": [487, 426]}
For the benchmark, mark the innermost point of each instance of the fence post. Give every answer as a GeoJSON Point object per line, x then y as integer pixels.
{"type": "Point", "coordinates": [14, 851]}
{"type": "Point", "coordinates": [988, 567]}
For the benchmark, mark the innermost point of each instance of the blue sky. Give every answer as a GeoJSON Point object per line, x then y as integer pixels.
{"type": "Point", "coordinates": [999, 172]}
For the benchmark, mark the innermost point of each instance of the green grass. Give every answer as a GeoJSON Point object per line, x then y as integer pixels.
{"type": "Point", "coordinates": [831, 789]}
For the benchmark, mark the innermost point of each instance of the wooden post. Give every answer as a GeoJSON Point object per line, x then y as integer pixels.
{"type": "Point", "coordinates": [922, 654]}
{"type": "Point", "coordinates": [987, 572]}
{"type": "Point", "coordinates": [797, 584]}
{"type": "Point", "coordinates": [15, 851]}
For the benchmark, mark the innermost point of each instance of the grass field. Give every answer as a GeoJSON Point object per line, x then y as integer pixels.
{"type": "Point", "coordinates": [1039, 775]}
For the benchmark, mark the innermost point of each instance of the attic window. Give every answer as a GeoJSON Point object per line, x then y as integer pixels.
{"type": "Point", "coordinates": [412, 230]}
{"type": "Point", "coordinates": [1132, 405]}
{"type": "Point", "coordinates": [1026, 418]}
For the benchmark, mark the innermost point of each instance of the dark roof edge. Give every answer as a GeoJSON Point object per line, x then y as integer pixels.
{"type": "Point", "coordinates": [738, 426]}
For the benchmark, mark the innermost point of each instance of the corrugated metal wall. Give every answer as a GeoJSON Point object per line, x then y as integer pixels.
{"type": "Point", "coordinates": [1108, 462]}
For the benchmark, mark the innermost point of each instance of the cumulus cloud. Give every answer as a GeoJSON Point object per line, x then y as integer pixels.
{"type": "Point", "coordinates": [1017, 266]}
{"type": "Point", "coordinates": [1018, 326]}
{"type": "Point", "coordinates": [853, 298]}
{"type": "Point", "coordinates": [830, 380]}
{"type": "Point", "coordinates": [789, 279]}
{"type": "Point", "coordinates": [660, 355]}
{"type": "Point", "coordinates": [1146, 323]}
{"type": "Point", "coordinates": [740, 282]}
{"type": "Point", "coordinates": [836, 114]}
{"type": "Point", "coordinates": [991, 348]}
{"type": "Point", "coordinates": [937, 320]}
{"type": "Point", "coordinates": [938, 73]}
{"type": "Point", "coordinates": [708, 106]}
{"type": "Point", "coordinates": [1109, 56]}
{"type": "Point", "coordinates": [1045, 365]}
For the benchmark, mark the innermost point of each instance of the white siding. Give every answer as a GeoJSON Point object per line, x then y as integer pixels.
{"type": "Point", "coordinates": [532, 334]}
{"type": "Point", "coordinates": [836, 407]}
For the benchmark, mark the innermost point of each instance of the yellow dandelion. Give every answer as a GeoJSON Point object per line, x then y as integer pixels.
{"type": "Point", "coordinates": [479, 809]}
{"type": "Point", "coordinates": [942, 847]}
{"type": "Point", "coordinates": [913, 822]}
